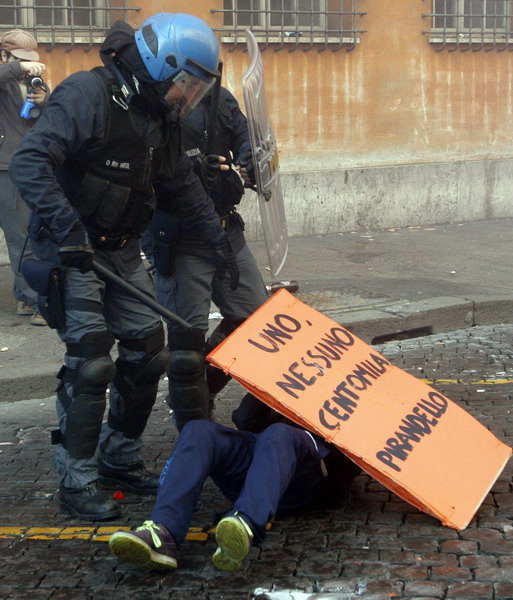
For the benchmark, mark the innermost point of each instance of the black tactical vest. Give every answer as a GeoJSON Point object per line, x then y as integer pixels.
{"type": "Point", "coordinates": [111, 184]}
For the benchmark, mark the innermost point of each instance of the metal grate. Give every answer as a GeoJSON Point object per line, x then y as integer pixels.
{"type": "Point", "coordinates": [64, 21]}
{"type": "Point", "coordinates": [471, 25]}
{"type": "Point", "coordinates": [292, 23]}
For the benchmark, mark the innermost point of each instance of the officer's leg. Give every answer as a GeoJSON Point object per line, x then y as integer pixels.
{"type": "Point", "coordinates": [141, 362]}
{"type": "Point", "coordinates": [203, 448]}
{"type": "Point", "coordinates": [80, 405]}
{"type": "Point", "coordinates": [235, 306]}
{"type": "Point", "coordinates": [188, 392]}
{"type": "Point", "coordinates": [285, 474]}
{"type": "Point", "coordinates": [81, 394]}
{"type": "Point", "coordinates": [216, 378]}
{"type": "Point", "coordinates": [188, 293]}
{"type": "Point", "coordinates": [132, 396]}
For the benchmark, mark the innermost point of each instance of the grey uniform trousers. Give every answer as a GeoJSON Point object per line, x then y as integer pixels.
{"type": "Point", "coordinates": [194, 285]}
{"type": "Point", "coordinates": [127, 319]}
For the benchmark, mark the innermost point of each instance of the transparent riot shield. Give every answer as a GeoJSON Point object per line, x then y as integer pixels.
{"type": "Point", "coordinates": [265, 158]}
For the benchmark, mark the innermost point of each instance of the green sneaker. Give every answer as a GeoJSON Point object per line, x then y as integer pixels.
{"type": "Point", "coordinates": [233, 536]}
{"type": "Point", "coordinates": [150, 546]}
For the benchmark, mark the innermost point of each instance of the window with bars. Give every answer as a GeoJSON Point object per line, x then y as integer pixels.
{"type": "Point", "coordinates": [292, 23]}
{"type": "Point", "coordinates": [471, 23]}
{"type": "Point", "coordinates": [63, 21]}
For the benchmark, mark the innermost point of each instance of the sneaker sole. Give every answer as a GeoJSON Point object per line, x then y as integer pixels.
{"type": "Point", "coordinates": [38, 323]}
{"type": "Point", "coordinates": [110, 483]}
{"type": "Point", "coordinates": [112, 514]}
{"type": "Point", "coordinates": [233, 543]}
{"type": "Point", "coordinates": [131, 549]}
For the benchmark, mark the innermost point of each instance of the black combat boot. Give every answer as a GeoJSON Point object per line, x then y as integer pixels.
{"type": "Point", "coordinates": [132, 478]}
{"type": "Point", "coordinates": [88, 503]}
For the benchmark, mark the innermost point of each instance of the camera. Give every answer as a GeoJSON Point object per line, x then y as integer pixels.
{"type": "Point", "coordinates": [29, 110]}
{"type": "Point", "coordinates": [33, 82]}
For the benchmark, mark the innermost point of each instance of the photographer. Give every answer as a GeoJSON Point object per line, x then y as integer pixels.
{"type": "Point", "coordinates": [20, 65]}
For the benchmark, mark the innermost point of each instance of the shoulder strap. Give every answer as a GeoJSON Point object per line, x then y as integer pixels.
{"type": "Point", "coordinates": [106, 79]}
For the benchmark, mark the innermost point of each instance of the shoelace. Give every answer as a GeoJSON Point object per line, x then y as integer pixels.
{"type": "Point", "coordinates": [153, 528]}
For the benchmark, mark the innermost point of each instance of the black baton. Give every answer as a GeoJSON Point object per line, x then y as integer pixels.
{"type": "Point", "coordinates": [143, 297]}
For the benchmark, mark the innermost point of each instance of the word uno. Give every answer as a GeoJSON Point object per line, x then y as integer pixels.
{"type": "Point", "coordinates": [276, 335]}
{"type": "Point", "coordinates": [419, 423]}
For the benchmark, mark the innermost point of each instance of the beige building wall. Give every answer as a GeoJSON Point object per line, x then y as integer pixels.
{"type": "Point", "coordinates": [392, 133]}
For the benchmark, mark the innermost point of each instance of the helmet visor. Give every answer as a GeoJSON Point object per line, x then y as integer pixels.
{"type": "Point", "coordinates": [187, 91]}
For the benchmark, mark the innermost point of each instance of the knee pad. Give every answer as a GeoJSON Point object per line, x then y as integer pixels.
{"type": "Point", "coordinates": [154, 364]}
{"type": "Point", "coordinates": [82, 393]}
{"type": "Point", "coordinates": [186, 364]}
{"type": "Point", "coordinates": [137, 383]}
{"type": "Point", "coordinates": [95, 369]}
{"type": "Point", "coordinates": [94, 375]}
{"type": "Point", "coordinates": [188, 392]}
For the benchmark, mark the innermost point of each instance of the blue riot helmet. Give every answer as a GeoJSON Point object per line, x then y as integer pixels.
{"type": "Point", "coordinates": [180, 51]}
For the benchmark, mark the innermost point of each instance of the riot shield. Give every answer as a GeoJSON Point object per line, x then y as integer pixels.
{"type": "Point", "coordinates": [265, 159]}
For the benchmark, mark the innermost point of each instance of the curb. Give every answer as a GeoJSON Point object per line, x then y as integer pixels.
{"type": "Point", "coordinates": [374, 325]}
{"type": "Point", "coordinates": [403, 320]}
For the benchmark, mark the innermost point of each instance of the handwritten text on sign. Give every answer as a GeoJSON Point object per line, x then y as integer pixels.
{"type": "Point", "coordinates": [345, 395]}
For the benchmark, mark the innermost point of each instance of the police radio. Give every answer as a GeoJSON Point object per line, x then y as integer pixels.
{"type": "Point", "coordinates": [29, 110]}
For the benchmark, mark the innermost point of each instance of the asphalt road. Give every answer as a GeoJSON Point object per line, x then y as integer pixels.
{"type": "Point", "coordinates": [372, 544]}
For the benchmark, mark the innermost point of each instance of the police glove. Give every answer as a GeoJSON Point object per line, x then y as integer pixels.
{"type": "Point", "coordinates": [210, 167]}
{"type": "Point", "coordinates": [76, 250]}
{"type": "Point", "coordinates": [226, 262]}
{"type": "Point", "coordinates": [247, 168]}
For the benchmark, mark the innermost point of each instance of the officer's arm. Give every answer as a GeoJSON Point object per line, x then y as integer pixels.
{"type": "Point", "coordinates": [239, 143]}
{"type": "Point", "coordinates": [74, 117]}
{"type": "Point", "coordinates": [183, 194]}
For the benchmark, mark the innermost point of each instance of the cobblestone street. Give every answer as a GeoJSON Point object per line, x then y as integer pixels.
{"type": "Point", "coordinates": [372, 544]}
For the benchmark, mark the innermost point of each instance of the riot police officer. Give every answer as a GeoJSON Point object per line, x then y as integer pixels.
{"type": "Point", "coordinates": [106, 150]}
{"type": "Point", "coordinates": [189, 275]}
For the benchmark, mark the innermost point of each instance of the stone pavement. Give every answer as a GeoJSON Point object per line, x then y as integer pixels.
{"type": "Point", "coordinates": [382, 285]}
{"type": "Point", "coordinates": [370, 545]}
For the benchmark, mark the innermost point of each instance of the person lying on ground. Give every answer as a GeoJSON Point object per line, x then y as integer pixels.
{"type": "Point", "coordinates": [272, 470]}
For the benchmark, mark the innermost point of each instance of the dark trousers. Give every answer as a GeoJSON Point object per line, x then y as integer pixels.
{"type": "Point", "coordinates": [277, 470]}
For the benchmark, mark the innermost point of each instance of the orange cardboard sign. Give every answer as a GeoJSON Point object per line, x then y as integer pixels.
{"type": "Point", "coordinates": [407, 435]}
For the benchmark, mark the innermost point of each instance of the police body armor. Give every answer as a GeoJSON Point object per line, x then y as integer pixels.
{"type": "Point", "coordinates": [110, 186]}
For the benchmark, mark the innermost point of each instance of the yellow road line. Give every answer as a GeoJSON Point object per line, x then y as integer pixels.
{"type": "Point", "coordinates": [95, 534]}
